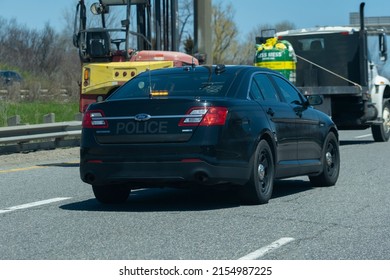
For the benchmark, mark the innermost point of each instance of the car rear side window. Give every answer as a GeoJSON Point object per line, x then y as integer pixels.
{"type": "Point", "coordinates": [265, 87]}
{"type": "Point", "coordinates": [289, 93]}
{"type": "Point", "coordinates": [191, 84]}
{"type": "Point", "coordinates": [255, 92]}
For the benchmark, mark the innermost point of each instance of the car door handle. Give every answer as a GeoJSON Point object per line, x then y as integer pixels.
{"type": "Point", "coordinates": [270, 112]}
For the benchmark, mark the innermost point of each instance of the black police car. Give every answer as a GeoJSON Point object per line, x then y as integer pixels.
{"type": "Point", "coordinates": [8, 78]}
{"type": "Point", "coordinates": [206, 125]}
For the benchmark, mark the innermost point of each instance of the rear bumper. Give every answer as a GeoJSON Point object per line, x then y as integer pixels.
{"type": "Point", "coordinates": [161, 174]}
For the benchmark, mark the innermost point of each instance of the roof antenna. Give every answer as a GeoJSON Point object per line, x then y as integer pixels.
{"type": "Point", "coordinates": [150, 80]}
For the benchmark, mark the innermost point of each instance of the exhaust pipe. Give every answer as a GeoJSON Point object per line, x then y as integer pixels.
{"type": "Point", "coordinates": [361, 13]}
{"type": "Point", "coordinates": [201, 177]}
{"type": "Point", "coordinates": [363, 49]}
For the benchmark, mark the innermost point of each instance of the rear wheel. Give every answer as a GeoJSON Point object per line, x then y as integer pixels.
{"type": "Point", "coordinates": [111, 194]}
{"type": "Point", "coordinates": [381, 132]}
{"type": "Point", "coordinates": [260, 186]}
{"type": "Point", "coordinates": [330, 163]}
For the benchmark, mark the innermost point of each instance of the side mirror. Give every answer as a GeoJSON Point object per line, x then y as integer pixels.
{"type": "Point", "coordinates": [76, 38]}
{"type": "Point", "coordinates": [382, 47]}
{"type": "Point", "coordinates": [98, 9]}
{"type": "Point", "coordinates": [315, 100]}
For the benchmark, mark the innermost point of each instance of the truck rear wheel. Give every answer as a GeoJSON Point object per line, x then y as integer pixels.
{"type": "Point", "coordinates": [381, 132]}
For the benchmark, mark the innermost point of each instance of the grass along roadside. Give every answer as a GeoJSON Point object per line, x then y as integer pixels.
{"type": "Point", "coordinates": [33, 112]}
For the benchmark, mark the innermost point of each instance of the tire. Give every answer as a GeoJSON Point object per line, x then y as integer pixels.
{"type": "Point", "coordinates": [330, 163]}
{"type": "Point", "coordinates": [381, 132]}
{"type": "Point", "coordinates": [111, 194]}
{"type": "Point", "coordinates": [259, 188]}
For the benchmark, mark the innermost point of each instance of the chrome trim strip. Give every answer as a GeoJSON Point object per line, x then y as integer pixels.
{"type": "Point", "coordinates": [151, 117]}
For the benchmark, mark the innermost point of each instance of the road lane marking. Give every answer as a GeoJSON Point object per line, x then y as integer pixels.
{"type": "Point", "coordinates": [363, 136]}
{"type": "Point", "coordinates": [267, 249]}
{"type": "Point", "coordinates": [39, 166]}
{"type": "Point", "coordinates": [33, 204]}
{"type": "Point", "coordinates": [20, 169]}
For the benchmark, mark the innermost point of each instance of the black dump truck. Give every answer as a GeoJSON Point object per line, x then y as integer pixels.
{"type": "Point", "coordinates": [348, 67]}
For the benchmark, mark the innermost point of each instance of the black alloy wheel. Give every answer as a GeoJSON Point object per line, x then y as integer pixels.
{"type": "Point", "coordinates": [330, 163]}
{"type": "Point", "coordinates": [260, 186]}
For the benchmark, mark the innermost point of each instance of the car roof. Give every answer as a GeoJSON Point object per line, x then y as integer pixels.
{"type": "Point", "coordinates": [206, 68]}
{"type": "Point", "coordinates": [9, 71]}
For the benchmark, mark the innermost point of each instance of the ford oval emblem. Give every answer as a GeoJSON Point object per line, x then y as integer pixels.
{"type": "Point", "coordinates": [142, 117]}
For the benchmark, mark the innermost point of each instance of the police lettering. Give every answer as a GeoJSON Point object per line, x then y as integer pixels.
{"type": "Point", "coordinates": [151, 127]}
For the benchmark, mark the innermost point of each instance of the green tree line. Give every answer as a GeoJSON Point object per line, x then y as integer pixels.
{"type": "Point", "coordinates": [45, 58]}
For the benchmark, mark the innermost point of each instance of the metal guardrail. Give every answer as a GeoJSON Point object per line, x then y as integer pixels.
{"type": "Point", "coordinates": [26, 93]}
{"type": "Point", "coordinates": [40, 136]}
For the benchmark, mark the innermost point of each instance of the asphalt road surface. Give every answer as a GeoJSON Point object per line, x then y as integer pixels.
{"type": "Point", "coordinates": [47, 212]}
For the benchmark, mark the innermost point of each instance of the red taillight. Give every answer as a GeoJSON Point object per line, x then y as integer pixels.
{"type": "Point", "coordinates": [205, 116]}
{"type": "Point", "coordinates": [94, 119]}
{"type": "Point", "coordinates": [95, 161]}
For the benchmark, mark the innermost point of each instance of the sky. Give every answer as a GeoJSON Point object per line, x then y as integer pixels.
{"type": "Point", "coordinates": [248, 13]}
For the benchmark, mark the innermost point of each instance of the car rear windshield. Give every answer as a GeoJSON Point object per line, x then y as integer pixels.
{"type": "Point", "coordinates": [188, 84]}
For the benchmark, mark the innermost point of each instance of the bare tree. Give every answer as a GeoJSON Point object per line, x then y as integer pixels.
{"type": "Point", "coordinates": [185, 21]}
{"type": "Point", "coordinates": [284, 25]}
{"type": "Point", "coordinates": [41, 56]}
{"type": "Point", "coordinates": [225, 45]}
{"type": "Point", "coordinates": [189, 45]}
